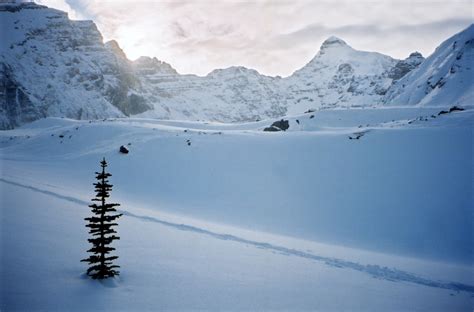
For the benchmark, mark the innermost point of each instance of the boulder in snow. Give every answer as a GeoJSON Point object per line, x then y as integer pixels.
{"type": "Point", "coordinates": [281, 124]}
{"type": "Point", "coordinates": [456, 109]}
{"type": "Point", "coordinates": [272, 129]}
{"type": "Point", "coordinates": [123, 150]}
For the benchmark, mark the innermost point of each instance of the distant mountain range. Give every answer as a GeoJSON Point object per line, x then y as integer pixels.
{"type": "Point", "coordinates": [53, 66]}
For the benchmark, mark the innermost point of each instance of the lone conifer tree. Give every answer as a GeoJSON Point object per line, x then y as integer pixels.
{"type": "Point", "coordinates": [100, 225]}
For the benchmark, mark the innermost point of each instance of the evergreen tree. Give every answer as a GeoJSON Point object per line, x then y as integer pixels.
{"type": "Point", "coordinates": [100, 224]}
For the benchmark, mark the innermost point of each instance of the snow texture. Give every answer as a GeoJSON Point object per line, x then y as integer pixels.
{"type": "Point", "coordinates": [244, 219]}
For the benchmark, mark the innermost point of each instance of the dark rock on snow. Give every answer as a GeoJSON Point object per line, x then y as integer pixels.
{"type": "Point", "coordinates": [452, 109]}
{"type": "Point", "coordinates": [456, 108]}
{"type": "Point", "coordinates": [272, 129]}
{"type": "Point", "coordinates": [123, 150]}
{"type": "Point", "coordinates": [278, 126]}
{"type": "Point", "coordinates": [357, 135]}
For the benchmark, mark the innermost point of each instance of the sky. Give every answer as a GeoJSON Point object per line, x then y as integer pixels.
{"type": "Point", "coordinates": [274, 37]}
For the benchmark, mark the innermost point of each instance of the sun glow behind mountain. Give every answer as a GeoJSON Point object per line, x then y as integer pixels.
{"type": "Point", "coordinates": [274, 37]}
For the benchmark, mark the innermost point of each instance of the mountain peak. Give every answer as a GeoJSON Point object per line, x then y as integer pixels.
{"type": "Point", "coordinates": [116, 49]}
{"type": "Point", "coordinates": [234, 71]}
{"type": "Point", "coordinates": [415, 58]}
{"type": "Point", "coordinates": [152, 66]}
{"type": "Point", "coordinates": [415, 54]}
{"type": "Point", "coordinates": [333, 41]}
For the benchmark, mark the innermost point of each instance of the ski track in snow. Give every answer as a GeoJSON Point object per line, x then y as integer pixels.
{"type": "Point", "coordinates": [376, 271]}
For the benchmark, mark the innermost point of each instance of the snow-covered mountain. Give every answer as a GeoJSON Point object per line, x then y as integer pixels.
{"type": "Point", "coordinates": [52, 66]}
{"type": "Point", "coordinates": [231, 94]}
{"type": "Point", "coordinates": [446, 77]}
{"type": "Point", "coordinates": [341, 76]}
{"type": "Point", "coordinates": [338, 76]}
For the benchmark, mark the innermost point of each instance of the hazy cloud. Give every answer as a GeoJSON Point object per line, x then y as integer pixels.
{"type": "Point", "coordinates": [274, 37]}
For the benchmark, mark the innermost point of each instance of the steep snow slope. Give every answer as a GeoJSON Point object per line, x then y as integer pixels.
{"type": "Point", "coordinates": [445, 78]}
{"type": "Point", "coordinates": [404, 187]}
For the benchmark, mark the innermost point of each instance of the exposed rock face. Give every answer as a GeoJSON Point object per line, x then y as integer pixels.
{"type": "Point", "coordinates": [147, 66]}
{"type": "Point", "coordinates": [405, 66]}
{"type": "Point", "coordinates": [125, 94]}
{"type": "Point", "coordinates": [52, 66]}
{"type": "Point", "coordinates": [15, 105]}
{"type": "Point", "coordinates": [59, 67]}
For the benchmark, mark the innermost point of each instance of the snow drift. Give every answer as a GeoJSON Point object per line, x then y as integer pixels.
{"type": "Point", "coordinates": [200, 200]}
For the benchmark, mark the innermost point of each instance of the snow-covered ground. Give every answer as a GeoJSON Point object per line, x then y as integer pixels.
{"type": "Point", "coordinates": [243, 219]}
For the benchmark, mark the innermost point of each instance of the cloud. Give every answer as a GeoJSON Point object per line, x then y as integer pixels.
{"type": "Point", "coordinates": [274, 37]}
{"type": "Point", "coordinates": [63, 6]}
{"type": "Point", "coordinates": [307, 33]}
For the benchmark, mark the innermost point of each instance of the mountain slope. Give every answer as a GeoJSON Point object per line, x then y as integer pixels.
{"type": "Point", "coordinates": [231, 94]}
{"type": "Point", "coordinates": [52, 66]}
{"type": "Point", "coordinates": [340, 76]}
{"type": "Point", "coordinates": [445, 78]}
